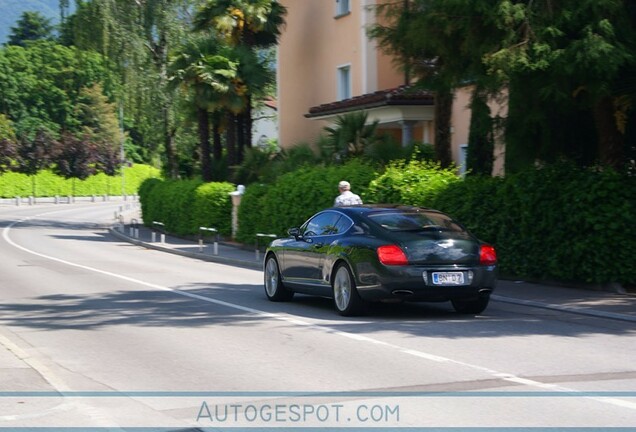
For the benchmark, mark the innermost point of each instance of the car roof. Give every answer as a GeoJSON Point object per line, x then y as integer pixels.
{"type": "Point", "coordinates": [374, 208]}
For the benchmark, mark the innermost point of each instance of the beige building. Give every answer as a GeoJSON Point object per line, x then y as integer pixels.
{"type": "Point", "coordinates": [327, 66]}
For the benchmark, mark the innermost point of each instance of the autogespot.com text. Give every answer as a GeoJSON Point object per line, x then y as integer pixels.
{"type": "Point", "coordinates": [275, 414]}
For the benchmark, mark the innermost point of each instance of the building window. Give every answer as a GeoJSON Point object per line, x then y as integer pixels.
{"type": "Point", "coordinates": [344, 82]}
{"type": "Point", "coordinates": [342, 8]}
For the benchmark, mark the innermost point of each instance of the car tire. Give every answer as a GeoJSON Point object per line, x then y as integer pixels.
{"type": "Point", "coordinates": [346, 298]}
{"type": "Point", "coordinates": [472, 306]}
{"type": "Point", "coordinates": [274, 288]}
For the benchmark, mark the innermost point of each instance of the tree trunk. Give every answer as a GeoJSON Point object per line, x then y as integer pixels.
{"type": "Point", "coordinates": [479, 160]}
{"type": "Point", "coordinates": [217, 145]}
{"type": "Point", "coordinates": [171, 160]}
{"type": "Point", "coordinates": [611, 142]}
{"type": "Point", "coordinates": [240, 132]}
{"type": "Point", "coordinates": [443, 112]}
{"type": "Point", "coordinates": [248, 123]}
{"type": "Point", "coordinates": [231, 139]}
{"type": "Point", "coordinates": [204, 144]}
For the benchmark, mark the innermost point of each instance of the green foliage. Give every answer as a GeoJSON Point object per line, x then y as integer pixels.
{"type": "Point", "coordinates": [149, 208]}
{"type": "Point", "coordinates": [213, 207]}
{"type": "Point", "coordinates": [31, 26]}
{"type": "Point", "coordinates": [250, 213]}
{"type": "Point", "coordinates": [560, 222]}
{"type": "Point", "coordinates": [48, 184]}
{"type": "Point", "coordinates": [256, 166]}
{"type": "Point", "coordinates": [477, 202]}
{"type": "Point", "coordinates": [186, 205]}
{"type": "Point", "coordinates": [297, 195]}
{"type": "Point", "coordinates": [171, 203]}
{"type": "Point", "coordinates": [41, 84]}
{"type": "Point", "coordinates": [415, 182]}
{"type": "Point", "coordinates": [349, 137]}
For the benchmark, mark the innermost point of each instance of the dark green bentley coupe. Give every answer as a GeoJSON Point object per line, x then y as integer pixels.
{"type": "Point", "coordinates": [371, 253]}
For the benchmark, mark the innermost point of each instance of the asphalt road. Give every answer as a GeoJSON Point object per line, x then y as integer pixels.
{"type": "Point", "coordinates": [96, 332]}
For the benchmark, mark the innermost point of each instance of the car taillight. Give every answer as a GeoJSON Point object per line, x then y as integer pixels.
{"type": "Point", "coordinates": [392, 255]}
{"type": "Point", "coordinates": [487, 255]}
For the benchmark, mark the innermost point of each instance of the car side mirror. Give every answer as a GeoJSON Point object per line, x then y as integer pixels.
{"type": "Point", "coordinates": [294, 232]}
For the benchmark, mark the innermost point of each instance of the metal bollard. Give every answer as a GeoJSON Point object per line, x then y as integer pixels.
{"type": "Point", "coordinates": [215, 248]}
{"type": "Point", "coordinates": [163, 236]}
{"type": "Point", "coordinates": [259, 236]}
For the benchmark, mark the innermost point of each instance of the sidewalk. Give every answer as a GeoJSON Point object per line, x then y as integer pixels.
{"type": "Point", "coordinates": [572, 300]}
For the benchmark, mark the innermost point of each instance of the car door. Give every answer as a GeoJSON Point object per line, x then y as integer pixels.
{"type": "Point", "coordinates": [304, 257]}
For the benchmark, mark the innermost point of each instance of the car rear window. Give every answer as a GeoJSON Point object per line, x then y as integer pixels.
{"type": "Point", "coordinates": [415, 221]}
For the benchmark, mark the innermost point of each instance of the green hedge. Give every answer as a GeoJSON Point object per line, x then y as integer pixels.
{"type": "Point", "coordinates": [295, 196]}
{"type": "Point", "coordinates": [185, 205]}
{"type": "Point", "coordinates": [47, 184]}
{"type": "Point", "coordinates": [558, 223]}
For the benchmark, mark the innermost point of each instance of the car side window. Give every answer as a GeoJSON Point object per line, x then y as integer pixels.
{"type": "Point", "coordinates": [343, 224]}
{"type": "Point", "coordinates": [325, 223]}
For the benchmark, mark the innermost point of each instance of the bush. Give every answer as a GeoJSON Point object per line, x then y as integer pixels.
{"type": "Point", "coordinates": [250, 212]}
{"type": "Point", "coordinates": [213, 207]}
{"type": "Point", "coordinates": [416, 182]}
{"type": "Point", "coordinates": [183, 206]}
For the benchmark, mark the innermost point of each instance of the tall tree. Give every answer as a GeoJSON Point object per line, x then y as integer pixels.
{"type": "Point", "coordinates": [575, 53]}
{"type": "Point", "coordinates": [136, 36]}
{"type": "Point", "coordinates": [579, 52]}
{"type": "Point", "coordinates": [30, 27]}
{"type": "Point", "coordinates": [251, 24]}
{"type": "Point", "coordinates": [202, 66]}
{"type": "Point", "coordinates": [40, 84]}
{"type": "Point", "coordinates": [399, 31]}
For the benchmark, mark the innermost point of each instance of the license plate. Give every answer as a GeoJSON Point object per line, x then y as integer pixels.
{"type": "Point", "coordinates": [448, 278]}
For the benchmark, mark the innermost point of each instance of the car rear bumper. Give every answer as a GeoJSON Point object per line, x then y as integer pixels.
{"type": "Point", "coordinates": [415, 283]}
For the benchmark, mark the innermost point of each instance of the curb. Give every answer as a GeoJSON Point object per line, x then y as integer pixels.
{"type": "Point", "coordinates": [561, 308]}
{"type": "Point", "coordinates": [210, 258]}
{"type": "Point", "coordinates": [258, 266]}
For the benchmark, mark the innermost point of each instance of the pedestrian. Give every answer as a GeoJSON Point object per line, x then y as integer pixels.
{"type": "Point", "coordinates": [346, 197]}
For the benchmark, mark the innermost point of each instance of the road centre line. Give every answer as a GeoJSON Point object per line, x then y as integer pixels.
{"type": "Point", "coordinates": [322, 328]}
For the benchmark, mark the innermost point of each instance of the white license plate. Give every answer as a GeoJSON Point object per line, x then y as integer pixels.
{"type": "Point", "coordinates": [448, 278]}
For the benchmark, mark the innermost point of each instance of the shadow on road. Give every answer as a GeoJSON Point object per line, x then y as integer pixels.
{"type": "Point", "coordinates": [153, 308]}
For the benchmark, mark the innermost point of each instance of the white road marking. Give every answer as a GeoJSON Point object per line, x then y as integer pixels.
{"type": "Point", "coordinates": [326, 329]}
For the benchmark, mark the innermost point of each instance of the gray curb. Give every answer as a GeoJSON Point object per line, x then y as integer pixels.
{"type": "Point", "coordinates": [560, 308]}
{"type": "Point", "coordinates": [204, 257]}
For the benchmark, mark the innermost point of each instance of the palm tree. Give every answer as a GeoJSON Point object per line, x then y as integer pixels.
{"type": "Point", "coordinates": [203, 67]}
{"type": "Point", "coordinates": [252, 25]}
{"type": "Point", "coordinates": [350, 136]}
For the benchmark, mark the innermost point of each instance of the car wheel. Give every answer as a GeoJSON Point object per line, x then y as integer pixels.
{"type": "Point", "coordinates": [345, 294]}
{"type": "Point", "coordinates": [274, 288]}
{"type": "Point", "coordinates": [471, 307]}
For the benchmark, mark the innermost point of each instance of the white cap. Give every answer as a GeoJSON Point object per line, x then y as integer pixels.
{"type": "Point", "coordinates": [344, 185]}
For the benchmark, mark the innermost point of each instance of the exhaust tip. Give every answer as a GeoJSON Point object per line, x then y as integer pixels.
{"type": "Point", "coordinates": [402, 293]}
